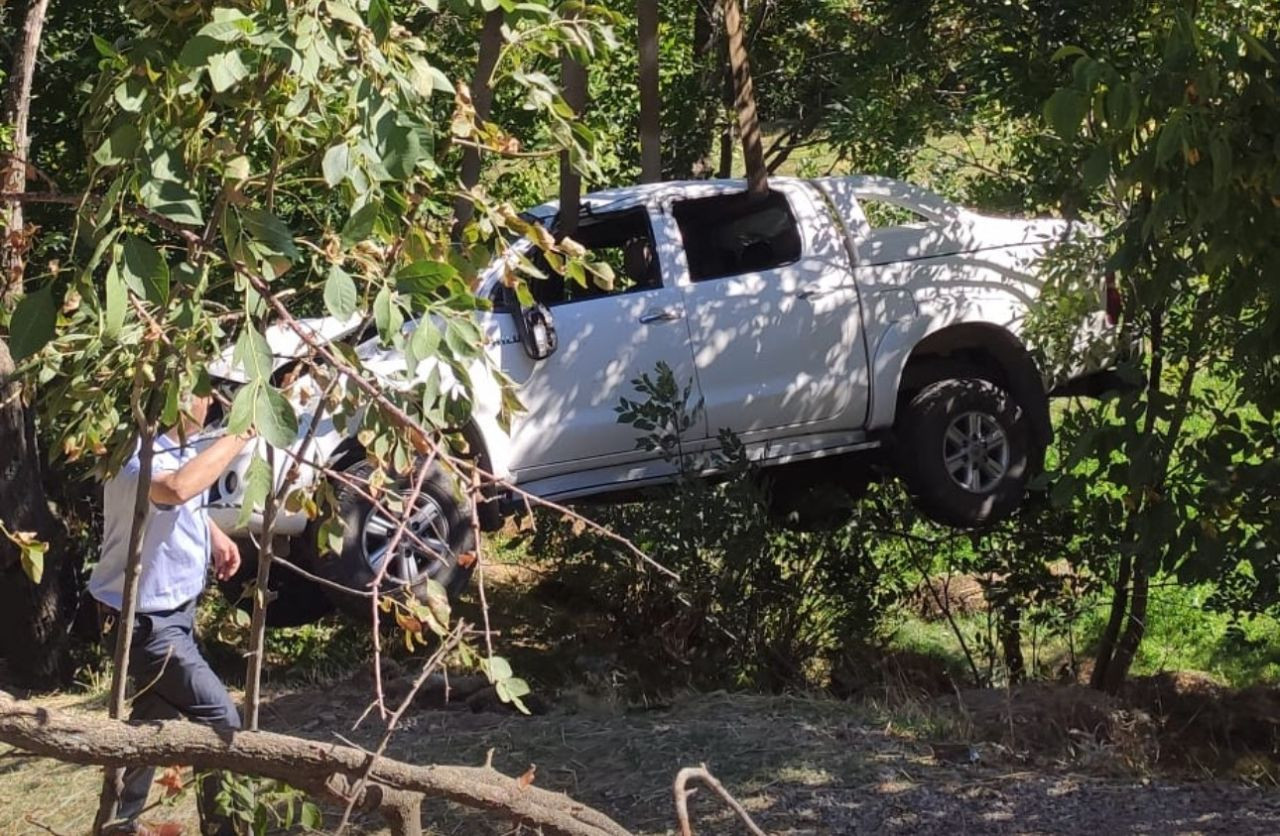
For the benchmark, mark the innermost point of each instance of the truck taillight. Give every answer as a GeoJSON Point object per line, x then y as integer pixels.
{"type": "Point", "coordinates": [1114, 302]}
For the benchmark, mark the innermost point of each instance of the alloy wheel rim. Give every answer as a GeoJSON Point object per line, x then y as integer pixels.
{"type": "Point", "coordinates": [975, 452]}
{"type": "Point", "coordinates": [414, 555]}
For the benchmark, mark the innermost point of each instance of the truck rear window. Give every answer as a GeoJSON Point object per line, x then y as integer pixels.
{"type": "Point", "coordinates": [729, 235]}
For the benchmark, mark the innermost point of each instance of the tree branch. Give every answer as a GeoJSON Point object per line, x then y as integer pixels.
{"type": "Point", "coordinates": [682, 793]}
{"type": "Point", "coordinates": [307, 764]}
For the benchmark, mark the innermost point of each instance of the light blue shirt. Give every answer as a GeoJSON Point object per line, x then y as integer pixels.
{"type": "Point", "coordinates": [175, 541]}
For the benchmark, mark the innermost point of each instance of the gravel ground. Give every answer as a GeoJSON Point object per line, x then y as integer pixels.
{"type": "Point", "coordinates": [800, 766]}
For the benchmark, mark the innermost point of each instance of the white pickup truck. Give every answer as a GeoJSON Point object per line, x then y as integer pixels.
{"type": "Point", "coordinates": [834, 322]}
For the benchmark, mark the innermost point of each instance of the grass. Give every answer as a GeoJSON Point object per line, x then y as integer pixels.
{"type": "Point", "coordinates": [1182, 635]}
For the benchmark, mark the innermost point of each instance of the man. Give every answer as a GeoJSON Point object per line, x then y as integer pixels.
{"type": "Point", "coordinates": [178, 542]}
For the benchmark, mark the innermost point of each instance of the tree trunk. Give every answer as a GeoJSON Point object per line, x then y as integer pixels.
{"type": "Point", "coordinates": [1127, 648]}
{"type": "Point", "coordinates": [261, 600]}
{"type": "Point", "coordinates": [573, 80]}
{"type": "Point", "coordinates": [1105, 676]}
{"type": "Point", "coordinates": [113, 777]}
{"type": "Point", "coordinates": [745, 100]}
{"type": "Point", "coordinates": [13, 169]}
{"type": "Point", "coordinates": [32, 635]}
{"type": "Point", "coordinates": [482, 101]}
{"type": "Point", "coordinates": [728, 115]}
{"type": "Point", "coordinates": [650, 98]}
{"type": "Point", "coordinates": [1115, 623]}
{"type": "Point", "coordinates": [319, 768]}
{"type": "Point", "coordinates": [1010, 630]}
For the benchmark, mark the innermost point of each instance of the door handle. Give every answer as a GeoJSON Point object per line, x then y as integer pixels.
{"type": "Point", "coordinates": [659, 315]}
{"type": "Point", "coordinates": [812, 292]}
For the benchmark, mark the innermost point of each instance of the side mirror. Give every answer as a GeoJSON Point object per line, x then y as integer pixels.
{"type": "Point", "coordinates": [535, 326]}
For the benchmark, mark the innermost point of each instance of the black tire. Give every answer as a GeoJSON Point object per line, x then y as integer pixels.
{"type": "Point", "coordinates": [297, 600]}
{"type": "Point", "coordinates": [450, 526]}
{"type": "Point", "coordinates": [958, 469]}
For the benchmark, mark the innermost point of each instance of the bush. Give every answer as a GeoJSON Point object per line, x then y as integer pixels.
{"type": "Point", "coordinates": [756, 605]}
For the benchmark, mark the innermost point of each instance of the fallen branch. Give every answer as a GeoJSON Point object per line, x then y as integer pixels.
{"type": "Point", "coordinates": [682, 793]}
{"type": "Point", "coordinates": [323, 769]}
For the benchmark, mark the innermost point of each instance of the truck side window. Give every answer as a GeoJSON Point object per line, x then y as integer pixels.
{"type": "Point", "coordinates": [623, 240]}
{"type": "Point", "coordinates": [881, 214]}
{"type": "Point", "coordinates": [728, 235]}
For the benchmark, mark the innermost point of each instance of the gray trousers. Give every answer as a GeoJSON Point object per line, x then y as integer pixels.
{"type": "Point", "coordinates": [177, 682]}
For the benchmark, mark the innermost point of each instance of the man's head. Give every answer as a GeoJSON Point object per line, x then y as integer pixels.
{"type": "Point", "coordinates": [193, 412]}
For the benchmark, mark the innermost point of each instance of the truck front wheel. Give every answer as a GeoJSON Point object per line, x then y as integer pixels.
{"type": "Point", "coordinates": [964, 450]}
{"type": "Point", "coordinates": [439, 545]}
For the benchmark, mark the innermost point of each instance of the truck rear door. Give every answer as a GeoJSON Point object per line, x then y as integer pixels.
{"type": "Point", "coordinates": [773, 313]}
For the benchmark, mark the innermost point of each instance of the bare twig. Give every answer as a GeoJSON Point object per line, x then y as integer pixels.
{"type": "Point", "coordinates": [389, 555]}
{"type": "Point", "coordinates": [31, 820]}
{"type": "Point", "coordinates": [682, 793]}
{"type": "Point", "coordinates": [427, 669]}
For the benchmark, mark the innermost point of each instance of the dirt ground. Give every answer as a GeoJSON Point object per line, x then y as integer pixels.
{"type": "Point", "coordinates": [801, 766]}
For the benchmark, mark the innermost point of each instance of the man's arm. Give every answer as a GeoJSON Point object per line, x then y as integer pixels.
{"type": "Point", "coordinates": [176, 487]}
{"type": "Point", "coordinates": [224, 551]}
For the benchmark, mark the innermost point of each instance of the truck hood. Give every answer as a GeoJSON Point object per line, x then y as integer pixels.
{"type": "Point", "coordinates": [286, 345]}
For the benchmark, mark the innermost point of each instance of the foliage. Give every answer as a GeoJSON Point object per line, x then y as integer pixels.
{"type": "Point", "coordinates": [311, 148]}
{"type": "Point", "coordinates": [1179, 149]}
{"type": "Point", "coordinates": [756, 604]}
{"type": "Point", "coordinates": [264, 806]}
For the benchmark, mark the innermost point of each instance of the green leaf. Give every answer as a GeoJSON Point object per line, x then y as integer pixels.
{"type": "Point", "coordinates": [423, 343]}
{"type": "Point", "coordinates": [1065, 110]}
{"type": "Point", "coordinates": [241, 416]}
{"type": "Point", "coordinates": [119, 146]}
{"type": "Point", "coordinates": [32, 324]}
{"type": "Point", "coordinates": [360, 225]}
{"type": "Point", "coordinates": [462, 340]}
{"type": "Point", "coordinates": [1096, 167]}
{"type": "Point", "coordinates": [424, 277]}
{"type": "Point", "coordinates": [1170, 139]}
{"type": "Point", "coordinates": [117, 299]}
{"type": "Point", "coordinates": [228, 25]}
{"type": "Point", "coordinates": [237, 169]}
{"type": "Point", "coordinates": [340, 294]}
{"type": "Point", "coordinates": [1122, 106]}
{"type": "Point", "coordinates": [309, 816]}
{"type": "Point", "coordinates": [144, 270]}
{"type": "Point", "coordinates": [130, 94]}
{"type": "Point", "coordinates": [337, 161]}
{"type": "Point", "coordinates": [437, 600]}
{"type": "Point", "coordinates": [273, 417]}
{"type": "Point", "coordinates": [1067, 51]}
{"type": "Point", "coordinates": [104, 47]}
{"type": "Point", "coordinates": [226, 70]}
{"type": "Point", "coordinates": [517, 687]}
{"type": "Point", "coordinates": [253, 354]}
{"type": "Point", "coordinates": [32, 555]}
{"type": "Point", "coordinates": [197, 51]}
{"type": "Point", "coordinates": [269, 230]}
{"type": "Point", "coordinates": [387, 315]}
{"type": "Point", "coordinates": [1220, 153]}
{"type": "Point", "coordinates": [172, 200]}
{"type": "Point", "coordinates": [341, 11]}
{"type": "Point", "coordinates": [431, 406]}
{"type": "Point", "coordinates": [496, 668]}
{"type": "Point", "coordinates": [380, 19]}
{"type": "Point", "coordinates": [402, 151]}
{"type": "Point", "coordinates": [257, 484]}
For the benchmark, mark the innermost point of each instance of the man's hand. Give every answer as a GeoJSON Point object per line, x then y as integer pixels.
{"type": "Point", "coordinates": [226, 554]}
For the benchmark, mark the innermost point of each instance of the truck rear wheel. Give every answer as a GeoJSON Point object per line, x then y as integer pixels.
{"type": "Point", "coordinates": [964, 449]}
